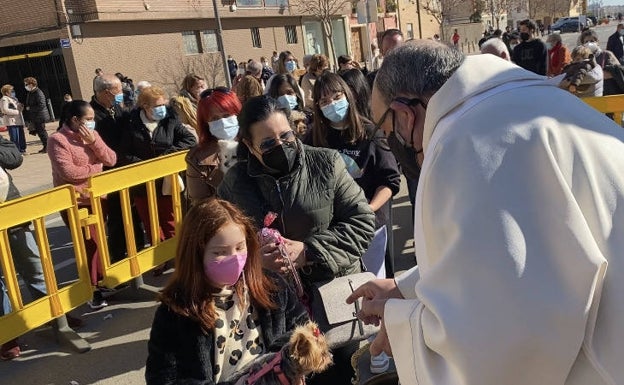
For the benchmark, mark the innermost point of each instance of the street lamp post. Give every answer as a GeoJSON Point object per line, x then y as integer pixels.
{"type": "Point", "coordinates": [226, 71]}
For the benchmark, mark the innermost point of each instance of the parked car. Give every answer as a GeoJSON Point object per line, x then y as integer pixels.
{"type": "Point", "coordinates": [567, 26]}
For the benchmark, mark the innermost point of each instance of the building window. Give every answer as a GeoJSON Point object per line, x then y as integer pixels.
{"type": "Point", "coordinates": [410, 30]}
{"type": "Point", "coordinates": [191, 44]}
{"type": "Point", "coordinates": [255, 37]}
{"type": "Point", "coordinates": [291, 34]}
{"type": "Point", "coordinates": [210, 41]}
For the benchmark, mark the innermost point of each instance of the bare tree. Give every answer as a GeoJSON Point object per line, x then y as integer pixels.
{"type": "Point", "coordinates": [497, 9]}
{"type": "Point", "coordinates": [171, 72]}
{"type": "Point", "coordinates": [325, 11]}
{"type": "Point", "coordinates": [440, 10]}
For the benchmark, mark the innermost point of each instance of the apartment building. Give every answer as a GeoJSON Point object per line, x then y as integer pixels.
{"type": "Point", "coordinates": [61, 42]}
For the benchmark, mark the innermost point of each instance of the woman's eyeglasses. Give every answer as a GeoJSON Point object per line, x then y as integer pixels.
{"type": "Point", "coordinates": [210, 91]}
{"type": "Point", "coordinates": [267, 144]}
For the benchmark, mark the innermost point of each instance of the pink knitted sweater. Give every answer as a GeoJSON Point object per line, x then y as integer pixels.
{"type": "Point", "coordinates": [73, 161]}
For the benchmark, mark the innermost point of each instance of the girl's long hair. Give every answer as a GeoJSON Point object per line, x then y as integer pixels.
{"type": "Point", "coordinates": [189, 292]}
{"type": "Point", "coordinates": [328, 84]}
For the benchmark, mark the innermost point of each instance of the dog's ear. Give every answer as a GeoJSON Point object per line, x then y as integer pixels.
{"type": "Point", "coordinates": [300, 345]}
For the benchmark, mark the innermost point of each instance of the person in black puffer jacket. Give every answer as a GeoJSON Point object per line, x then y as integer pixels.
{"type": "Point", "coordinates": [324, 216]}
{"type": "Point", "coordinates": [36, 111]}
{"type": "Point", "coordinates": [150, 131]}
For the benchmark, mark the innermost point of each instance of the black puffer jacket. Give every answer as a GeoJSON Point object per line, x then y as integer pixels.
{"type": "Point", "coordinates": [35, 107]}
{"type": "Point", "coordinates": [10, 158]}
{"type": "Point", "coordinates": [180, 353]}
{"type": "Point", "coordinates": [137, 145]}
{"type": "Point", "coordinates": [318, 204]}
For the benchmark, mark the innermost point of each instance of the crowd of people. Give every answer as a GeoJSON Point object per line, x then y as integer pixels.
{"type": "Point", "coordinates": [587, 70]}
{"type": "Point", "coordinates": [517, 218]}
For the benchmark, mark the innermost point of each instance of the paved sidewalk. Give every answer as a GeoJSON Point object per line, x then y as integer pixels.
{"type": "Point", "coordinates": [35, 173]}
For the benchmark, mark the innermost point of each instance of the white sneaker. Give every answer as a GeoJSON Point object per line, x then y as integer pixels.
{"type": "Point", "coordinates": [379, 364]}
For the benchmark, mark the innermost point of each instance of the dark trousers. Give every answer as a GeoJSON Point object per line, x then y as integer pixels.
{"type": "Point", "coordinates": [116, 232]}
{"type": "Point", "coordinates": [39, 129]}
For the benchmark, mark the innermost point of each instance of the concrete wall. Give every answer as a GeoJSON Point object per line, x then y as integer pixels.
{"type": "Point", "coordinates": [408, 14]}
{"type": "Point", "coordinates": [20, 16]}
{"type": "Point", "coordinates": [160, 58]}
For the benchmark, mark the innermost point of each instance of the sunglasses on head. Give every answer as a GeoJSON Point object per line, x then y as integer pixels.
{"type": "Point", "coordinates": [210, 91]}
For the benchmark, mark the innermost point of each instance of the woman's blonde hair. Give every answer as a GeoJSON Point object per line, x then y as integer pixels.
{"type": "Point", "coordinates": [6, 89]}
{"type": "Point", "coordinates": [185, 110]}
{"type": "Point", "coordinates": [150, 94]}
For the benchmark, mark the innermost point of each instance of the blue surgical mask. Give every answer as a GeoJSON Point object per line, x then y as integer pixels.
{"type": "Point", "coordinates": [90, 124]}
{"type": "Point", "coordinates": [224, 129]}
{"type": "Point", "coordinates": [119, 99]}
{"type": "Point", "coordinates": [290, 65]}
{"type": "Point", "coordinates": [159, 112]}
{"type": "Point", "coordinates": [287, 101]}
{"type": "Point", "coordinates": [336, 111]}
{"type": "Point", "coordinates": [549, 45]}
{"type": "Point", "coordinates": [621, 31]}
{"type": "Point", "coordinates": [13, 94]}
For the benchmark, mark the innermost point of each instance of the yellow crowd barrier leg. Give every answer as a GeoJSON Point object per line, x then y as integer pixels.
{"type": "Point", "coordinates": [41, 236]}
{"type": "Point", "coordinates": [10, 276]}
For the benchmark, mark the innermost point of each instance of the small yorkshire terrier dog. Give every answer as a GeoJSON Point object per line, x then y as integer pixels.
{"type": "Point", "coordinates": [305, 353]}
{"type": "Point", "coordinates": [227, 154]}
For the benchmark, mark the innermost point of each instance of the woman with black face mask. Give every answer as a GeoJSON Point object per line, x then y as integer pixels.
{"type": "Point", "coordinates": [323, 215]}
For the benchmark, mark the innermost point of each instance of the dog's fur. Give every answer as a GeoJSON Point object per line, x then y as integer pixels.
{"type": "Point", "coordinates": [305, 353]}
{"type": "Point", "coordinates": [227, 154]}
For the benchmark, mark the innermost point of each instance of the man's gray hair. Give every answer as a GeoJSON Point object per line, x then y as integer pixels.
{"type": "Point", "coordinates": [418, 68]}
{"type": "Point", "coordinates": [495, 46]}
{"type": "Point", "coordinates": [254, 68]}
{"type": "Point", "coordinates": [105, 82]}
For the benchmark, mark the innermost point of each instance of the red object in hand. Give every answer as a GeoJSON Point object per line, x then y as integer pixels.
{"type": "Point", "coordinates": [269, 235]}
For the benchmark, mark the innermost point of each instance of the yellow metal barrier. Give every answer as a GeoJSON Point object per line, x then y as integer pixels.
{"type": "Point", "coordinates": [608, 104]}
{"type": "Point", "coordinates": [58, 301]}
{"type": "Point", "coordinates": [122, 179]}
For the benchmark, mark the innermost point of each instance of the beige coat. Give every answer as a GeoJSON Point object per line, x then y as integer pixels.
{"type": "Point", "coordinates": [10, 116]}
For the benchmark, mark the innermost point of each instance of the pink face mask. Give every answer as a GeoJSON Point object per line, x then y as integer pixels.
{"type": "Point", "coordinates": [226, 271]}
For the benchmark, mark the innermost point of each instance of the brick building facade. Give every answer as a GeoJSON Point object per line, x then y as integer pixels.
{"type": "Point", "coordinates": [61, 42]}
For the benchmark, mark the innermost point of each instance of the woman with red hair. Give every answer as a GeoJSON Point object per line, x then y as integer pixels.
{"type": "Point", "coordinates": [217, 128]}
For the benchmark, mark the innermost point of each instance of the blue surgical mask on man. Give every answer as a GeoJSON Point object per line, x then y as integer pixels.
{"type": "Point", "coordinates": [159, 112]}
{"type": "Point", "coordinates": [225, 128]}
{"type": "Point", "coordinates": [90, 124]}
{"type": "Point", "coordinates": [287, 101]}
{"type": "Point", "coordinates": [291, 65]}
{"type": "Point", "coordinates": [119, 99]}
{"type": "Point", "coordinates": [336, 111]}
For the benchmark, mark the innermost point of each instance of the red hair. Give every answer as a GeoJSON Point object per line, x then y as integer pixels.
{"type": "Point", "coordinates": [225, 101]}
{"type": "Point", "coordinates": [189, 292]}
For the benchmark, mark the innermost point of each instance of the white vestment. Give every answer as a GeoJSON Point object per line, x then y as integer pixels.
{"type": "Point", "coordinates": [519, 233]}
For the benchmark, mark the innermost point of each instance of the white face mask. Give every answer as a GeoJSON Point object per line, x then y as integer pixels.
{"type": "Point", "coordinates": [224, 129]}
{"type": "Point", "coordinates": [29, 88]}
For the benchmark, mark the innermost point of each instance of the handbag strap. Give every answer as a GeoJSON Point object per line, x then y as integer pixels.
{"type": "Point", "coordinates": [357, 309]}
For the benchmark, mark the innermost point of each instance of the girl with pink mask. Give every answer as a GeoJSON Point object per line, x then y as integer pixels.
{"type": "Point", "coordinates": [220, 310]}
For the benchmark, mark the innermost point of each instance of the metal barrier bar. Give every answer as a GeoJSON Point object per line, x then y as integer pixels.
{"type": "Point", "coordinates": [58, 301]}
{"type": "Point", "coordinates": [122, 179]}
{"type": "Point", "coordinates": [613, 104]}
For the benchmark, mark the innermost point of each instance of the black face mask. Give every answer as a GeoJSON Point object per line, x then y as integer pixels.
{"type": "Point", "coordinates": [406, 156]}
{"type": "Point", "coordinates": [280, 160]}
{"type": "Point", "coordinates": [524, 36]}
